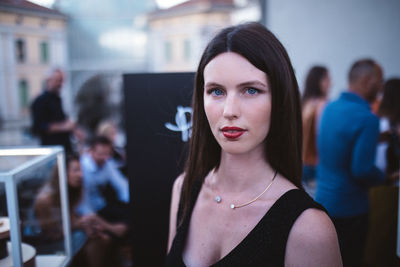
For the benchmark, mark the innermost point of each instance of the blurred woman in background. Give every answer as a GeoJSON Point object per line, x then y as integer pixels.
{"type": "Point", "coordinates": [315, 94]}
{"type": "Point", "coordinates": [91, 231]}
{"type": "Point", "coordinates": [389, 111]}
{"type": "Point", "coordinates": [381, 239]}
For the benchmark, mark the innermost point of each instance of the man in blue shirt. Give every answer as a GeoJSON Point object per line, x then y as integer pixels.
{"type": "Point", "coordinates": [105, 189]}
{"type": "Point", "coordinates": [347, 141]}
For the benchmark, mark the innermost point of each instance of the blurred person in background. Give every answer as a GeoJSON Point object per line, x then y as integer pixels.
{"type": "Point", "coordinates": [79, 140]}
{"type": "Point", "coordinates": [347, 141]}
{"type": "Point", "coordinates": [381, 239]}
{"type": "Point", "coordinates": [50, 122]}
{"type": "Point", "coordinates": [105, 189]}
{"type": "Point", "coordinates": [389, 111]}
{"type": "Point", "coordinates": [96, 251]}
{"type": "Point", "coordinates": [118, 155]}
{"type": "Point", "coordinates": [314, 99]}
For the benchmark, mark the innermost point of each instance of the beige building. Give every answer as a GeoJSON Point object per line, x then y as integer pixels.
{"type": "Point", "coordinates": [32, 40]}
{"type": "Point", "coordinates": [178, 35]}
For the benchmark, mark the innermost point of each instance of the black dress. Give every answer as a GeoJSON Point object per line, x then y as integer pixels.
{"type": "Point", "coordinates": [265, 245]}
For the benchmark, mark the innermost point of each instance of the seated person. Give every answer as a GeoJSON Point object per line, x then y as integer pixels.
{"type": "Point", "coordinates": [118, 156]}
{"type": "Point", "coordinates": [47, 211]}
{"type": "Point", "coordinates": [105, 189]}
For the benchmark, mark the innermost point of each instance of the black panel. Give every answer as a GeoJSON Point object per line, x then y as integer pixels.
{"type": "Point", "coordinates": [155, 156]}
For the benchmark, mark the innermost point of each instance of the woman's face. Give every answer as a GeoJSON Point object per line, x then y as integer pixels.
{"type": "Point", "coordinates": [237, 103]}
{"type": "Point", "coordinates": [74, 174]}
{"type": "Point", "coordinates": [325, 83]}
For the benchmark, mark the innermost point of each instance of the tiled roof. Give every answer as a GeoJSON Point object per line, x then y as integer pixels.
{"type": "Point", "coordinates": [22, 6]}
{"type": "Point", "coordinates": [196, 2]}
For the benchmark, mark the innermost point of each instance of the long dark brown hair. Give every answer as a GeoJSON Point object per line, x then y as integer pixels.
{"type": "Point", "coordinates": [284, 140]}
{"type": "Point", "coordinates": [390, 105]}
{"type": "Point", "coordinates": [312, 88]}
{"type": "Point", "coordinates": [74, 194]}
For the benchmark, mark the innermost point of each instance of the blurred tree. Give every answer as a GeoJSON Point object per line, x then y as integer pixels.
{"type": "Point", "coordinates": [93, 102]}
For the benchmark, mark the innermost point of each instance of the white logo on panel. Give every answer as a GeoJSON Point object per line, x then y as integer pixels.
{"type": "Point", "coordinates": [182, 124]}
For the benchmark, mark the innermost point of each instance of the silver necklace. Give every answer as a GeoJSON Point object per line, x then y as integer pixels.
{"type": "Point", "coordinates": [218, 198]}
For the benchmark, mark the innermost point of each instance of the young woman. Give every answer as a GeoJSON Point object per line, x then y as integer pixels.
{"type": "Point", "coordinates": [47, 203]}
{"type": "Point", "coordinates": [97, 250]}
{"type": "Point", "coordinates": [316, 90]}
{"type": "Point", "coordinates": [240, 202]}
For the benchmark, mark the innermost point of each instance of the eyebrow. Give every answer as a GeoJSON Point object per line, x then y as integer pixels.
{"type": "Point", "coordinates": [212, 84]}
{"type": "Point", "coordinates": [249, 83]}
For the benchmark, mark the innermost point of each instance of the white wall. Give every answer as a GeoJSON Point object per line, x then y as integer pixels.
{"type": "Point", "coordinates": [336, 33]}
{"type": "Point", "coordinates": [8, 80]}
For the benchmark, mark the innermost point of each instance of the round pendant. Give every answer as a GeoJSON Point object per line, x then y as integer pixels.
{"type": "Point", "coordinates": [232, 206]}
{"type": "Point", "coordinates": [218, 199]}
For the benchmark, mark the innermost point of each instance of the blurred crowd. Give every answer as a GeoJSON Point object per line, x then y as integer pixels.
{"type": "Point", "coordinates": [351, 155]}
{"type": "Point", "coordinates": [97, 182]}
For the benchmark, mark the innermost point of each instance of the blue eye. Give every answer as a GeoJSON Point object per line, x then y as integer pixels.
{"type": "Point", "coordinates": [217, 92]}
{"type": "Point", "coordinates": [252, 91]}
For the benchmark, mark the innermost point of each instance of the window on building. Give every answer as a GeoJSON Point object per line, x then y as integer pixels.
{"type": "Point", "coordinates": [20, 50]}
{"type": "Point", "coordinates": [23, 93]}
{"type": "Point", "coordinates": [168, 51]}
{"type": "Point", "coordinates": [186, 47]}
{"type": "Point", "coordinates": [44, 52]}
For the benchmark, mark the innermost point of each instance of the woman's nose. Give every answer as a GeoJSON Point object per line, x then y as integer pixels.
{"type": "Point", "coordinates": [231, 107]}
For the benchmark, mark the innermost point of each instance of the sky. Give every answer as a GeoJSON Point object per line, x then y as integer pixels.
{"type": "Point", "coordinates": [168, 3]}
{"type": "Point", "coordinates": [46, 3]}
{"type": "Point", "coordinates": [160, 3]}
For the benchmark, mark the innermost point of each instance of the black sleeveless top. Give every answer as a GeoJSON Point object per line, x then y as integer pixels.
{"type": "Point", "coordinates": [265, 245]}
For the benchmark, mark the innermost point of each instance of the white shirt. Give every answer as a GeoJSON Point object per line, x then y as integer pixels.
{"type": "Point", "coordinates": [94, 177]}
{"type": "Point", "coordinates": [380, 160]}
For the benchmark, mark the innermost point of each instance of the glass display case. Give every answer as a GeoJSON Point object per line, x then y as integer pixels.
{"type": "Point", "coordinates": [34, 202]}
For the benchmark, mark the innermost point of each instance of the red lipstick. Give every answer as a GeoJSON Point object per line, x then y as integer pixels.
{"type": "Point", "coordinates": [232, 132]}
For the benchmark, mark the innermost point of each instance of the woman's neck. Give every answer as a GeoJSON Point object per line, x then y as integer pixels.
{"type": "Point", "coordinates": [242, 172]}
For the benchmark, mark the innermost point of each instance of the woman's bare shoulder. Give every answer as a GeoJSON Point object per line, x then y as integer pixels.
{"type": "Point", "coordinates": [313, 222]}
{"type": "Point", "coordinates": [178, 183]}
{"type": "Point", "coordinates": [313, 241]}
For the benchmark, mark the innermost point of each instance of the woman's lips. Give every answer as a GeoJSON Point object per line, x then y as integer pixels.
{"type": "Point", "coordinates": [232, 132]}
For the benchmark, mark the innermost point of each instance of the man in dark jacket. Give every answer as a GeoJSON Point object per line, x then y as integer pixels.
{"type": "Point", "coordinates": [49, 120]}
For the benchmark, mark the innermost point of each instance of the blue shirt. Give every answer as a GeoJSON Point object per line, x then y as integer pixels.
{"type": "Point", "coordinates": [347, 141]}
{"type": "Point", "coordinates": [94, 177]}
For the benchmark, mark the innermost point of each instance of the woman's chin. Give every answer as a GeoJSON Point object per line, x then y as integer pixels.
{"type": "Point", "coordinates": [235, 149]}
